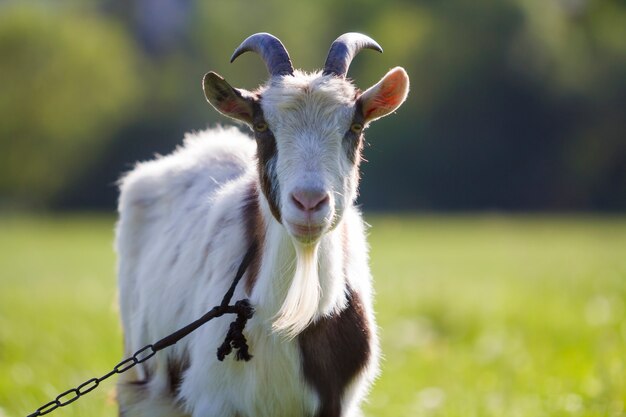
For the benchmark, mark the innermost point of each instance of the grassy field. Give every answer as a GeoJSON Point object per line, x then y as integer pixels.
{"type": "Point", "coordinates": [480, 316]}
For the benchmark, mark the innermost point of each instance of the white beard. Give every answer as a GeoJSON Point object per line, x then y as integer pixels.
{"type": "Point", "coordinates": [303, 297]}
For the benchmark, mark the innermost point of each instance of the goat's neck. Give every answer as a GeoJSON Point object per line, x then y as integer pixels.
{"type": "Point", "coordinates": [278, 266]}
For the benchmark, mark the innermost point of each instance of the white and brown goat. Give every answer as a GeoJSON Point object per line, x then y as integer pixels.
{"type": "Point", "coordinates": [187, 219]}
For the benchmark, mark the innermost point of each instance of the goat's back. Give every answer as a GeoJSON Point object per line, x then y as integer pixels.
{"type": "Point", "coordinates": [167, 208]}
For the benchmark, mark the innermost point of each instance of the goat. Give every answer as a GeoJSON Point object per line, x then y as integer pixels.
{"type": "Point", "coordinates": [186, 220]}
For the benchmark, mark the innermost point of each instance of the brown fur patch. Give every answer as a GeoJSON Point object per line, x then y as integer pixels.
{"type": "Point", "coordinates": [334, 350]}
{"type": "Point", "coordinates": [267, 152]}
{"type": "Point", "coordinates": [352, 141]}
{"type": "Point", "coordinates": [176, 367]}
{"type": "Point", "coordinates": [255, 232]}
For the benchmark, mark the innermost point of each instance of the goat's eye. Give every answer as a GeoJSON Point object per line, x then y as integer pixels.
{"type": "Point", "coordinates": [260, 126]}
{"type": "Point", "coordinates": [356, 127]}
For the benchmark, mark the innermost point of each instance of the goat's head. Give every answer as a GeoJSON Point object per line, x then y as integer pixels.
{"type": "Point", "coordinates": [309, 133]}
{"type": "Point", "coordinates": [309, 129]}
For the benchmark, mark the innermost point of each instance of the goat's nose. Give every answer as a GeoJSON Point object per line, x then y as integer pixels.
{"type": "Point", "coordinates": [310, 200]}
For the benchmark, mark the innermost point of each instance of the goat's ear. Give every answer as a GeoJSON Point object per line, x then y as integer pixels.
{"type": "Point", "coordinates": [232, 102]}
{"type": "Point", "coordinates": [386, 96]}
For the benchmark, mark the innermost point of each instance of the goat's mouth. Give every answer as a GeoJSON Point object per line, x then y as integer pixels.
{"type": "Point", "coordinates": [306, 233]}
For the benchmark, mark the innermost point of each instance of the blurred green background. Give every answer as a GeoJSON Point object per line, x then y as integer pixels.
{"type": "Point", "coordinates": [516, 107]}
{"type": "Point", "coordinates": [515, 104]}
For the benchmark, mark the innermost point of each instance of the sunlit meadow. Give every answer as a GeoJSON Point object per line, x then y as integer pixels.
{"type": "Point", "coordinates": [480, 315]}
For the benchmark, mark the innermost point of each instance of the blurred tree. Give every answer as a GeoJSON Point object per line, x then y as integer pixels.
{"type": "Point", "coordinates": [515, 104]}
{"type": "Point", "coordinates": [69, 80]}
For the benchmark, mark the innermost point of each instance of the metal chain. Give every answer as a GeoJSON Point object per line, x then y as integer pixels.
{"type": "Point", "coordinates": [234, 339]}
{"type": "Point", "coordinates": [73, 394]}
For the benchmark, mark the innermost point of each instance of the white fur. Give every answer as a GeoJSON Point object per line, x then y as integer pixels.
{"type": "Point", "coordinates": [180, 239]}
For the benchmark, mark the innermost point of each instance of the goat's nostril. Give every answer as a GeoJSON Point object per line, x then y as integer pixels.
{"type": "Point", "coordinates": [323, 202]}
{"type": "Point", "coordinates": [297, 202]}
{"type": "Point", "coordinates": [310, 200]}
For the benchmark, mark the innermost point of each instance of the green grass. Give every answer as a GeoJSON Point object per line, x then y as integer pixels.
{"type": "Point", "coordinates": [479, 315]}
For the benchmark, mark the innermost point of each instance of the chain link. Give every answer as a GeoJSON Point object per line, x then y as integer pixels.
{"type": "Point", "coordinates": [73, 394]}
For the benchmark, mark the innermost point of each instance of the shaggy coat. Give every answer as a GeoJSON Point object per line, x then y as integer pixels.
{"type": "Point", "coordinates": [186, 221]}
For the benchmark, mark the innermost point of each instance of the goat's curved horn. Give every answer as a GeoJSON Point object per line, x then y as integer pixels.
{"type": "Point", "coordinates": [271, 50]}
{"type": "Point", "coordinates": [344, 49]}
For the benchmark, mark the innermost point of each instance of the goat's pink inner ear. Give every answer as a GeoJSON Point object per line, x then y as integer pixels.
{"type": "Point", "coordinates": [236, 108]}
{"type": "Point", "coordinates": [232, 102]}
{"type": "Point", "coordinates": [386, 96]}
